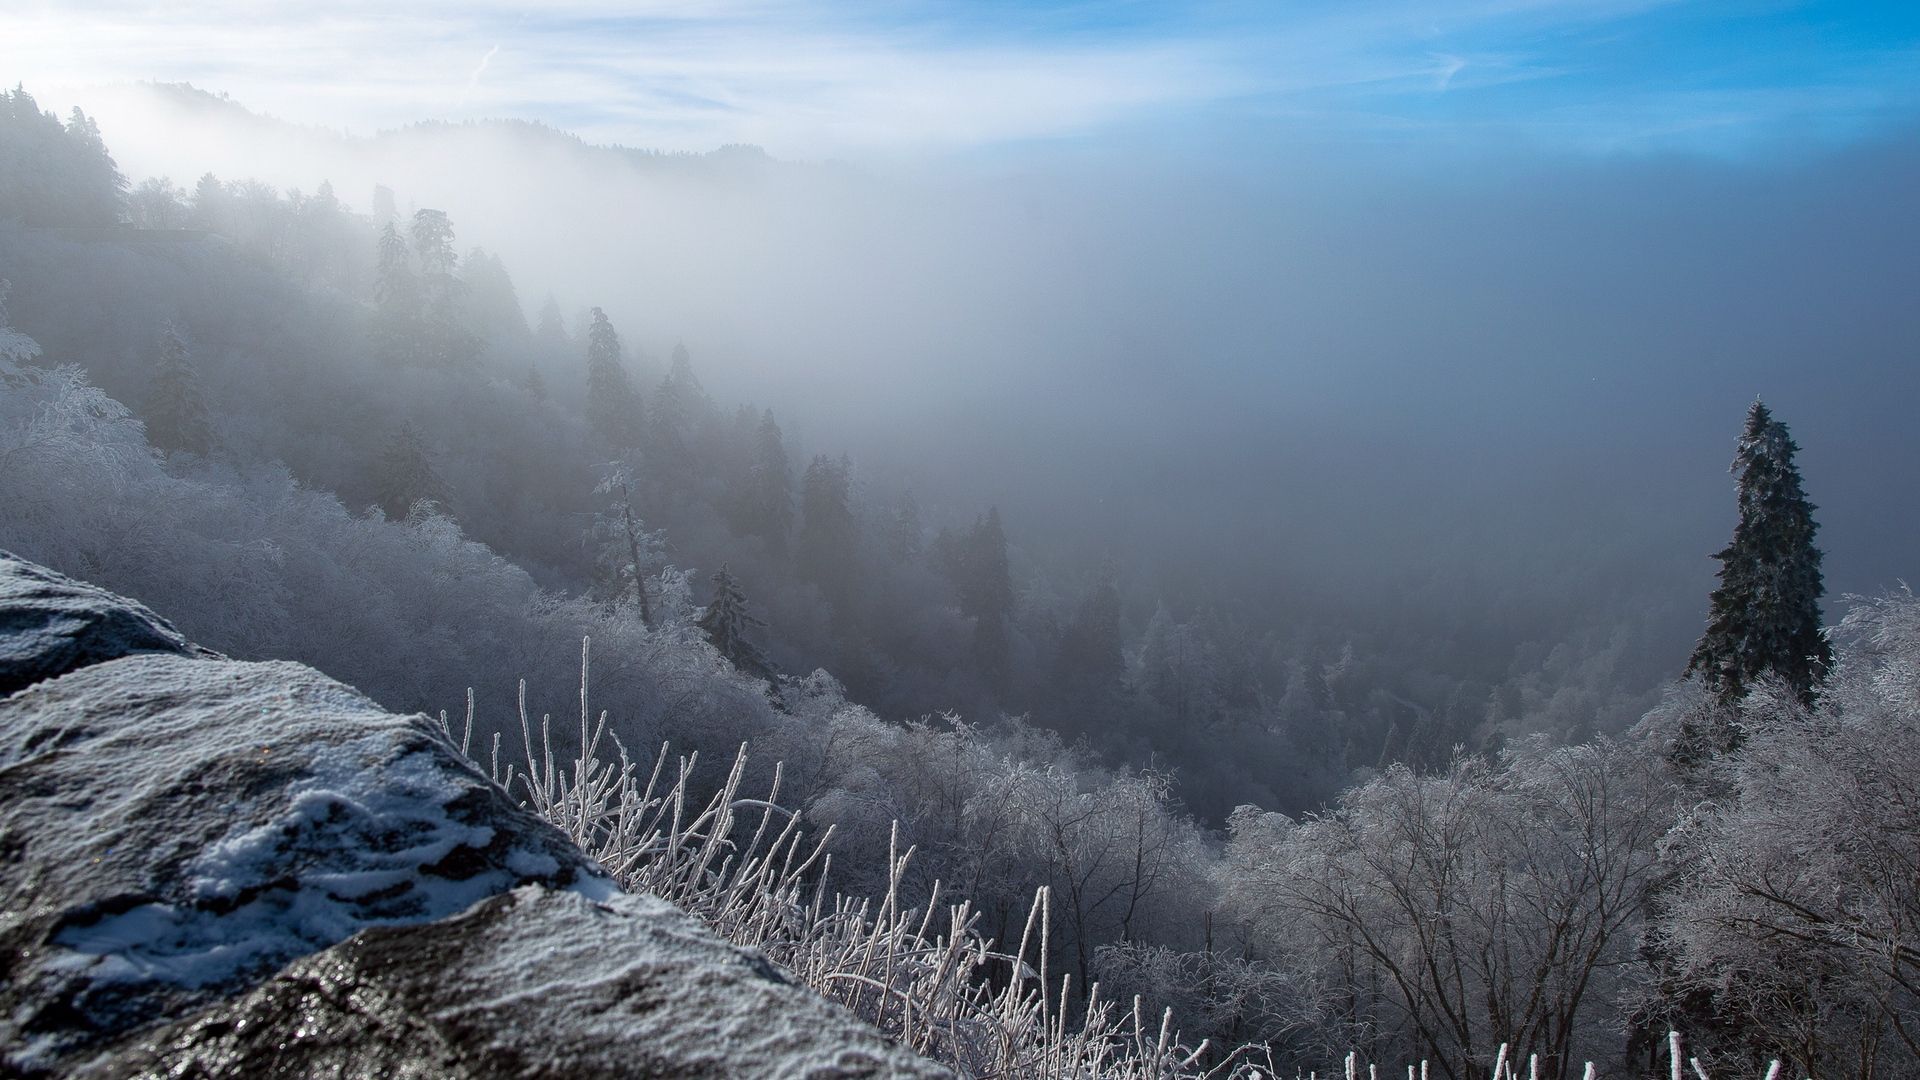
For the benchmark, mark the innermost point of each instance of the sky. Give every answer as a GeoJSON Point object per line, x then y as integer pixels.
{"type": "Point", "coordinates": [868, 80]}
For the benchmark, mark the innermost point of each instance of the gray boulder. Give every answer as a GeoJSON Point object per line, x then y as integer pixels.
{"type": "Point", "coordinates": [534, 983]}
{"type": "Point", "coordinates": [214, 868]}
{"type": "Point", "coordinates": [51, 624]}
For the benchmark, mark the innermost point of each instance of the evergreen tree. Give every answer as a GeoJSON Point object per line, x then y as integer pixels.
{"type": "Point", "coordinates": [407, 477]}
{"type": "Point", "coordinates": [443, 340]}
{"type": "Point", "coordinates": [1765, 615]}
{"type": "Point", "coordinates": [211, 204]}
{"type": "Point", "coordinates": [676, 414]}
{"type": "Point", "coordinates": [396, 299]}
{"type": "Point", "coordinates": [54, 175]}
{"type": "Point", "coordinates": [1179, 670]}
{"type": "Point", "coordinates": [101, 186]}
{"type": "Point", "coordinates": [977, 565]}
{"type": "Point", "coordinates": [829, 535]}
{"type": "Point", "coordinates": [726, 622]}
{"type": "Point", "coordinates": [552, 330]}
{"type": "Point", "coordinates": [903, 529]}
{"type": "Point", "coordinates": [613, 409]}
{"type": "Point", "coordinates": [534, 383]}
{"type": "Point", "coordinates": [385, 212]}
{"type": "Point", "coordinates": [767, 504]}
{"type": "Point", "coordinates": [492, 303]}
{"type": "Point", "coordinates": [1089, 663]}
{"type": "Point", "coordinates": [176, 407]}
{"type": "Point", "coordinates": [432, 235]}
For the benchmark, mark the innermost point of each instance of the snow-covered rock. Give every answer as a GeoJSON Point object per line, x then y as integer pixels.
{"type": "Point", "coordinates": [50, 625]}
{"type": "Point", "coordinates": [216, 868]}
{"type": "Point", "coordinates": [533, 983]}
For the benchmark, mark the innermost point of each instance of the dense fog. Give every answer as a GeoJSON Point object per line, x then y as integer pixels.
{"type": "Point", "coordinates": [1336, 382]}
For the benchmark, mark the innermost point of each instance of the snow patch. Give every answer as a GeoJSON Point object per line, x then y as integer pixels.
{"type": "Point", "coordinates": [368, 839]}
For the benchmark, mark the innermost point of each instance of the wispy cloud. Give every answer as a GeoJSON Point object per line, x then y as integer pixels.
{"type": "Point", "coordinates": [473, 81]}
{"type": "Point", "coordinates": [809, 78]}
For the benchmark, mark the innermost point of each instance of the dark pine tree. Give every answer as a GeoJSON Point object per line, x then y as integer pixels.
{"type": "Point", "coordinates": [726, 623]}
{"type": "Point", "coordinates": [176, 408]}
{"type": "Point", "coordinates": [407, 477]}
{"type": "Point", "coordinates": [1765, 616]}
{"type": "Point", "coordinates": [492, 303]}
{"type": "Point", "coordinates": [1089, 664]}
{"type": "Point", "coordinates": [54, 175]}
{"type": "Point", "coordinates": [613, 409]}
{"type": "Point", "coordinates": [764, 507]}
{"type": "Point", "coordinates": [442, 340]}
{"type": "Point", "coordinates": [829, 535]}
{"type": "Point", "coordinates": [396, 298]}
{"type": "Point", "coordinates": [986, 592]}
{"type": "Point", "coordinates": [552, 331]}
{"type": "Point", "coordinates": [904, 534]}
{"type": "Point", "coordinates": [679, 410]}
{"type": "Point", "coordinates": [534, 383]}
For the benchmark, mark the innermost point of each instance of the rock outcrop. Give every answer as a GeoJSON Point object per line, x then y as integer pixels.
{"type": "Point", "coordinates": [222, 869]}
{"type": "Point", "coordinates": [50, 625]}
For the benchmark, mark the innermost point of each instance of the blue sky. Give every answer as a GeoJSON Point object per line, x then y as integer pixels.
{"type": "Point", "coordinates": [808, 79]}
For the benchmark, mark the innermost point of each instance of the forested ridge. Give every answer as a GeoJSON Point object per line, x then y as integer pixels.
{"type": "Point", "coordinates": [304, 429]}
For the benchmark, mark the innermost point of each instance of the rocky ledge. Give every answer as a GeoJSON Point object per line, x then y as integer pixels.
{"type": "Point", "coordinates": [211, 868]}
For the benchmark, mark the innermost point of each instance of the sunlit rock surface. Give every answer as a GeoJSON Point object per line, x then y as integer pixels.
{"type": "Point", "coordinates": [214, 868]}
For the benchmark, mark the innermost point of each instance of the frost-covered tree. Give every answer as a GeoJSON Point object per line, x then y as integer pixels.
{"type": "Point", "coordinates": [613, 408]}
{"type": "Point", "coordinates": [1442, 916]}
{"type": "Point", "coordinates": [627, 549]}
{"type": "Point", "coordinates": [726, 623]}
{"type": "Point", "coordinates": [1765, 615]}
{"type": "Point", "coordinates": [1798, 914]}
{"type": "Point", "coordinates": [176, 413]}
{"type": "Point", "coordinates": [406, 475]}
{"type": "Point", "coordinates": [15, 347]}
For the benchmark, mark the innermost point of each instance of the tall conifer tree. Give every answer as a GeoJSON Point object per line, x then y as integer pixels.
{"type": "Point", "coordinates": [176, 408]}
{"type": "Point", "coordinates": [1765, 615]}
{"type": "Point", "coordinates": [726, 623]}
{"type": "Point", "coordinates": [613, 409]}
{"type": "Point", "coordinates": [766, 506]}
{"type": "Point", "coordinates": [829, 535]}
{"type": "Point", "coordinates": [396, 300]}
